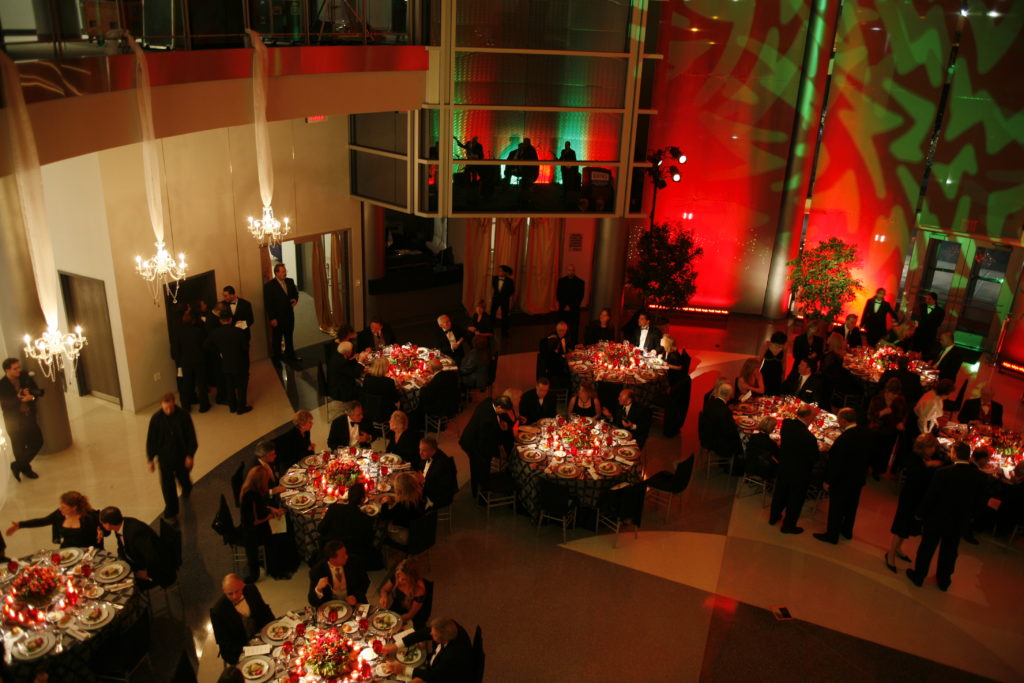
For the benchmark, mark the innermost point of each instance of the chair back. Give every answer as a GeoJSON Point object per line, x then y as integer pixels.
{"type": "Point", "coordinates": [684, 472]}
{"type": "Point", "coordinates": [478, 656]}
{"type": "Point", "coordinates": [624, 502]}
{"type": "Point", "coordinates": [554, 498]}
{"type": "Point", "coordinates": [422, 533]}
{"type": "Point", "coordinates": [223, 523]}
{"type": "Point", "coordinates": [237, 479]}
{"type": "Point", "coordinates": [376, 407]}
{"type": "Point", "coordinates": [704, 431]}
{"type": "Point", "coordinates": [170, 542]}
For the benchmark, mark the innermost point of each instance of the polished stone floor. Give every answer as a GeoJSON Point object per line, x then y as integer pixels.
{"type": "Point", "coordinates": [687, 599]}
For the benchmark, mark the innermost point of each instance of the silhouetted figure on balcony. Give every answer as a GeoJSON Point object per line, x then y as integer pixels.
{"type": "Point", "coordinates": [528, 174]}
{"type": "Point", "coordinates": [570, 174]}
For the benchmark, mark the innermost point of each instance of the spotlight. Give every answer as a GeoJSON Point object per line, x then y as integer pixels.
{"type": "Point", "coordinates": [660, 183]}
{"type": "Point", "coordinates": [674, 173]}
{"type": "Point", "coordinates": [677, 154]}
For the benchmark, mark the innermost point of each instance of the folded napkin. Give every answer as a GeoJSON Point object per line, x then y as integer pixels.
{"type": "Point", "coordinates": [254, 650]}
{"type": "Point", "coordinates": [593, 473]}
{"type": "Point", "coordinates": [278, 525]}
{"type": "Point", "coordinates": [401, 468]}
{"type": "Point", "coordinates": [290, 622]}
{"type": "Point", "coordinates": [77, 633]}
{"type": "Point", "coordinates": [120, 585]}
{"type": "Point", "coordinates": [627, 463]}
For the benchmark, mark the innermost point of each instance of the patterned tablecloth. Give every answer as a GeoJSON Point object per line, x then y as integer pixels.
{"type": "Point", "coordinates": [614, 365]}
{"type": "Point", "coordinates": [86, 613]}
{"type": "Point", "coordinates": [586, 456]}
{"type": "Point", "coordinates": [407, 366]}
{"type": "Point", "coordinates": [870, 364]}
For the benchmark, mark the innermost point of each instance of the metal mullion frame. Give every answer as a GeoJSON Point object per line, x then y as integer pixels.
{"type": "Point", "coordinates": [631, 100]}
{"type": "Point", "coordinates": [412, 124]}
{"type": "Point", "coordinates": [380, 152]}
{"type": "Point", "coordinates": [553, 53]}
{"type": "Point", "coordinates": [513, 107]}
{"type": "Point", "coordinates": [444, 197]}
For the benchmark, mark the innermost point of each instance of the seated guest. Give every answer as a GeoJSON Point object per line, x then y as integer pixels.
{"type": "Point", "coordinates": [266, 457]}
{"type": "Point", "coordinates": [585, 402]}
{"type": "Point", "coordinates": [551, 356]}
{"type": "Point", "coordinates": [982, 410]}
{"type": "Point", "coordinates": [537, 403]}
{"type": "Point", "coordinates": [139, 546]}
{"type": "Point", "coordinates": [773, 360]}
{"type": "Point", "coordinates": [294, 445]}
{"type": "Point", "coordinates": [749, 383]}
{"type": "Point", "coordinates": [440, 396]}
{"type": "Point", "coordinates": [719, 429]}
{"type": "Point", "coordinates": [450, 660]}
{"type": "Point", "coordinates": [377, 382]}
{"type": "Point", "coordinates": [237, 616]}
{"type": "Point", "coordinates": [257, 511]}
{"type": "Point", "coordinates": [409, 594]}
{"type": "Point", "coordinates": [949, 359]}
{"type": "Point", "coordinates": [408, 505]}
{"type": "Point", "coordinates": [480, 323]}
{"type": "Point", "coordinates": [646, 336]}
{"type": "Point", "coordinates": [375, 337]}
{"type": "Point", "coordinates": [402, 441]}
{"type": "Point", "coordinates": [901, 336]}
{"type": "Point", "coordinates": [338, 577]}
{"type": "Point", "coordinates": [601, 329]}
{"type": "Point", "coordinates": [805, 385]}
{"type": "Point", "coordinates": [929, 410]}
{"type": "Point", "coordinates": [631, 416]}
{"type": "Point", "coordinates": [850, 332]}
{"type": "Point", "coordinates": [74, 523]}
{"type": "Point", "coordinates": [835, 377]}
{"type": "Point", "coordinates": [343, 373]}
{"type": "Point", "coordinates": [449, 339]}
{"type": "Point", "coordinates": [475, 368]}
{"type": "Point", "coordinates": [713, 391]}
{"type": "Point", "coordinates": [761, 458]}
{"type": "Point", "coordinates": [350, 429]}
{"type": "Point", "coordinates": [679, 385]}
{"type": "Point", "coordinates": [440, 481]}
{"type": "Point", "coordinates": [347, 523]}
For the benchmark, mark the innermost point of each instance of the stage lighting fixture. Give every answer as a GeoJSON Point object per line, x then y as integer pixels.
{"type": "Point", "coordinates": [675, 174]}
{"type": "Point", "coordinates": [677, 154]}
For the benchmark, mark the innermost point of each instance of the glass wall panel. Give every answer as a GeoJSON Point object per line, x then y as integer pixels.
{"type": "Point", "coordinates": [377, 177]}
{"type": "Point", "coordinates": [381, 130]}
{"type": "Point", "coordinates": [583, 25]}
{"type": "Point", "coordinates": [519, 189]}
{"type": "Point", "coordinates": [539, 80]}
{"type": "Point", "coordinates": [430, 133]}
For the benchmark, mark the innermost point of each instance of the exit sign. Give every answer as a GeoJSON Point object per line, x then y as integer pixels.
{"type": "Point", "coordinates": [315, 119]}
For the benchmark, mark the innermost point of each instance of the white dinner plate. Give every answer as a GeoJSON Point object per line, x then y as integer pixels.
{"type": "Point", "coordinates": [343, 609]}
{"type": "Point", "coordinates": [95, 615]}
{"type": "Point", "coordinates": [33, 646]}
{"type": "Point", "coordinates": [111, 572]}
{"type": "Point", "coordinates": [257, 669]}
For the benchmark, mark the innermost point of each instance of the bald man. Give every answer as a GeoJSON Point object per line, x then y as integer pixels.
{"type": "Point", "coordinates": [237, 616]}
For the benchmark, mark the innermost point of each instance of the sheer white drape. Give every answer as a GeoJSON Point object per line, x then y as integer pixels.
{"type": "Point", "coordinates": [260, 76]}
{"type": "Point", "coordinates": [150, 148]}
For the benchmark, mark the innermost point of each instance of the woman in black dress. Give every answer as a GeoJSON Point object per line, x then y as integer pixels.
{"type": "Point", "coordinates": [480, 323]}
{"type": "Point", "coordinates": [409, 594]}
{"type": "Point", "coordinates": [887, 413]}
{"type": "Point", "coordinates": [600, 329]}
{"type": "Point", "coordinates": [409, 504]}
{"type": "Point", "coordinates": [773, 364]}
{"type": "Point", "coordinates": [74, 523]}
{"type": "Point", "coordinates": [404, 442]}
{"type": "Point", "coordinates": [256, 516]}
{"type": "Point", "coordinates": [919, 469]}
{"type": "Point", "coordinates": [808, 346]}
{"type": "Point", "coordinates": [294, 445]}
{"type": "Point", "coordinates": [585, 402]}
{"type": "Point", "coordinates": [679, 385]}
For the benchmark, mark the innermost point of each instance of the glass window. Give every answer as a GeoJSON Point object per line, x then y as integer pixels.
{"type": "Point", "coordinates": [586, 25]}
{"type": "Point", "coordinates": [382, 130]}
{"type": "Point", "coordinates": [591, 137]}
{"type": "Point", "coordinates": [377, 177]}
{"type": "Point", "coordinates": [533, 189]}
{"type": "Point", "coordinates": [539, 80]}
{"type": "Point", "coordinates": [430, 133]}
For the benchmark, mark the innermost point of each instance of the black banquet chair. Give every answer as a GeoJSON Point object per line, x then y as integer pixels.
{"type": "Point", "coordinates": [665, 486]}
{"type": "Point", "coordinates": [556, 503]}
{"type": "Point", "coordinates": [620, 505]}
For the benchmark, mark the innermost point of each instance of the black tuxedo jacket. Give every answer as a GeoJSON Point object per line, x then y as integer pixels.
{"type": "Point", "coordinates": [12, 404]}
{"type": "Point", "coordinates": [721, 433]}
{"type": "Point", "coordinates": [453, 664]}
{"type": "Point", "coordinates": [481, 436]}
{"type": "Point", "coordinates": [440, 396]}
{"type": "Point", "coordinates": [342, 374]}
{"type": "Point", "coordinates": [928, 325]}
{"type": "Point", "coordinates": [971, 410]}
{"type": "Point", "coordinates": [442, 343]}
{"type": "Point", "coordinates": [364, 340]}
{"type": "Point", "coordinates": [347, 523]}
{"type": "Point", "coordinates": [338, 437]}
{"type": "Point", "coordinates": [639, 416]}
{"type": "Point", "coordinates": [848, 459]}
{"type": "Point", "coordinates": [243, 311]}
{"type": "Point", "coordinates": [228, 626]}
{"type": "Point", "coordinates": [569, 293]}
{"type": "Point", "coordinates": [505, 295]}
{"type": "Point", "coordinates": [798, 452]}
{"type": "Point", "coordinates": [875, 323]}
{"type": "Point", "coordinates": [356, 581]}
{"type": "Point", "coordinates": [142, 550]}
{"type": "Point", "coordinates": [853, 337]}
{"type": "Point", "coordinates": [278, 304]}
{"type": "Point", "coordinates": [232, 345]}
{"type": "Point", "coordinates": [653, 338]}
{"type": "Point", "coordinates": [810, 392]}
{"type": "Point", "coordinates": [291, 447]}
{"type": "Point", "coordinates": [952, 497]}
{"type": "Point", "coordinates": [441, 483]}
{"type": "Point", "coordinates": [172, 437]}
{"type": "Point", "coordinates": [187, 345]}
{"type": "Point", "coordinates": [949, 366]}
{"type": "Point", "coordinates": [531, 408]}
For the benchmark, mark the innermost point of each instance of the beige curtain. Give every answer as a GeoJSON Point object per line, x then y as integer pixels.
{"type": "Point", "coordinates": [508, 245]}
{"type": "Point", "coordinates": [540, 274]}
{"type": "Point", "coordinates": [338, 261]}
{"type": "Point", "coordinates": [326, 295]}
{"type": "Point", "coordinates": [476, 267]}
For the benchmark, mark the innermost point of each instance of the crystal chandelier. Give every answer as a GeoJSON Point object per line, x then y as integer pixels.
{"type": "Point", "coordinates": [268, 230]}
{"type": "Point", "coordinates": [54, 351]}
{"type": "Point", "coordinates": [163, 270]}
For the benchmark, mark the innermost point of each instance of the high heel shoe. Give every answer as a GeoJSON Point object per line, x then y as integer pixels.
{"type": "Point", "coordinates": [890, 567]}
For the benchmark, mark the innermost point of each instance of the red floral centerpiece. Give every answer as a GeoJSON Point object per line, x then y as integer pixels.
{"type": "Point", "coordinates": [407, 362]}
{"type": "Point", "coordinates": [616, 361]}
{"type": "Point", "coordinates": [341, 473]}
{"type": "Point", "coordinates": [33, 591]}
{"type": "Point", "coordinates": [331, 655]}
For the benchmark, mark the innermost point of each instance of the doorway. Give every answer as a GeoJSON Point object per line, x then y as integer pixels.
{"type": "Point", "coordinates": [85, 301]}
{"type": "Point", "coordinates": [191, 291]}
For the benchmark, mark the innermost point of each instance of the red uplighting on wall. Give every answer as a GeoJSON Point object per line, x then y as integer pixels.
{"type": "Point", "coordinates": [316, 119]}
{"type": "Point", "coordinates": [1013, 366]}
{"type": "Point", "coordinates": [701, 310]}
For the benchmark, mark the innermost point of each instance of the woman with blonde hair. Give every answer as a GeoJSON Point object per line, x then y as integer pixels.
{"type": "Point", "coordinates": [409, 594]}
{"type": "Point", "coordinates": [679, 385]}
{"type": "Point", "coordinates": [408, 505]}
{"type": "Point", "coordinates": [402, 441]}
{"type": "Point", "coordinates": [380, 395]}
{"type": "Point", "coordinates": [295, 444]}
{"type": "Point", "coordinates": [585, 402]}
{"type": "Point", "coordinates": [74, 522]}
{"type": "Point", "coordinates": [749, 383]}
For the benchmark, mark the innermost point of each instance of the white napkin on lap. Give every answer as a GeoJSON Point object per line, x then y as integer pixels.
{"type": "Point", "coordinates": [254, 650]}
{"type": "Point", "coordinates": [241, 324]}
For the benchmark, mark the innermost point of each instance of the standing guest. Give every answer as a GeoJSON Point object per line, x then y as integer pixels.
{"type": "Point", "coordinates": [570, 174]}
{"type": "Point", "coordinates": [208, 320]}
{"type": "Point", "coordinates": [886, 414]}
{"type": "Point", "coordinates": [601, 329]}
{"type": "Point", "coordinates": [171, 440]}
{"type": "Point", "coordinates": [983, 410]}
{"type": "Point", "coordinates": [551, 355]}
{"type": "Point", "coordinates": [139, 546]}
{"type": "Point", "coordinates": [537, 403]}
{"type": "Point", "coordinates": [190, 357]}
{"type": "Point", "coordinates": [280, 295]}
{"type": "Point", "coordinates": [449, 338]}
{"type": "Point", "coordinates": [406, 507]}
{"type": "Point", "coordinates": [237, 616]}
{"type": "Point", "coordinates": [347, 523]}
{"type": "Point", "coordinates": [475, 368]}
{"type": "Point", "coordinates": [338, 577]}
{"type": "Point", "coordinates": [929, 409]}
{"type": "Point", "coordinates": [797, 457]}
{"type": "Point", "coordinates": [233, 349]}
{"type": "Point", "coordinates": [901, 336]}
{"type": "Point", "coordinates": [850, 332]}
{"type": "Point", "coordinates": [679, 386]}
{"type": "Point", "coordinates": [295, 444]}
{"type": "Point", "coordinates": [910, 381]}
{"type": "Point", "coordinates": [409, 594]}
{"type": "Point", "coordinates": [528, 174]}
{"type": "Point", "coordinates": [343, 373]}
{"type": "Point", "coordinates": [749, 383]}
{"type": "Point", "coordinates": [375, 337]}
{"type": "Point", "coordinates": [569, 294]}
{"type": "Point", "coordinates": [761, 457]}
{"type": "Point", "coordinates": [451, 659]}
{"type": "Point", "coordinates": [918, 474]}
{"type": "Point", "coordinates": [875, 319]}
{"type": "Point", "coordinates": [256, 515]}
{"type": "Point", "coordinates": [240, 309]}
{"type": "Point", "coordinates": [502, 289]}
{"type": "Point", "coordinates": [350, 429]}
{"type": "Point", "coordinates": [402, 441]}
{"type": "Point", "coordinates": [772, 366]}
{"type": "Point", "coordinates": [646, 336]}
{"type": "Point", "coordinates": [845, 473]}
{"type": "Point", "coordinates": [946, 509]}
{"type": "Point", "coordinates": [808, 346]}
{"type": "Point", "coordinates": [929, 319]}
{"type": "Point", "coordinates": [717, 428]}
{"type": "Point", "coordinates": [949, 359]}
{"type": "Point", "coordinates": [481, 438]}
{"type": "Point", "coordinates": [631, 416]}
{"type": "Point", "coordinates": [74, 523]}
{"type": "Point", "coordinates": [585, 402]}
{"type": "Point", "coordinates": [18, 393]}
{"type": "Point", "coordinates": [804, 384]}
{"type": "Point", "coordinates": [480, 323]}
{"type": "Point", "coordinates": [440, 396]}
{"type": "Point", "coordinates": [440, 481]}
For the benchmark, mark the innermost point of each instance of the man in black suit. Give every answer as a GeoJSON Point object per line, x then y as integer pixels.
{"type": "Point", "coordinates": [279, 298]}
{"type": "Point", "coordinates": [874, 318]}
{"type": "Point", "coordinates": [631, 416]}
{"type": "Point", "coordinates": [139, 546]}
{"type": "Point", "coordinates": [983, 410]}
{"type": "Point", "coordinates": [190, 357]}
{"type": "Point", "coordinates": [347, 523]}
{"type": "Point", "coordinates": [450, 660]}
{"type": "Point", "coordinates": [350, 429]}
{"type": "Point", "coordinates": [18, 393]}
{"type": "Point", "coordinates": [845, 474]}
{"type": "Point", "coordinates": [537, 403]}
{"type": "Point", "coordinates": [798, 455]}
{"type": "Point", "coordinates": [241, 310]}
{"type": "Point", "coordinates": [949, 359]}
{"type": "Point", "coordinates": [171, 441]}
{"type": "Point", "coordinates": [376, 336]}
{"type": "Point", "coordinates": [440, 396]}
{"type": "Point", "coordinates": [237, 616]}
{"type": "Point", "coordinates": [551, 356]}
{"type": "Point", "coordinates": [647, 336]}
{"type": "Point", "coordinates": [343, 373]}
{"type": "Point", "coordinates": [440, 479]}
{"type": "Point", "coordinates": [929, 319]}
{"type": "Point", "coordinates": [449, 338]}
{"type": "Point", "coordinates": [805, 385]}
{"type": "Point", "coordinates": [569, 294]}
{"type": "Point", "coordinates": [338, 577]}
{"type": "Point", "coordinates": [946, 509]}
{"type": "Point", "coordinates": [851, 332]}
{"type": "Point", "coordinates": [717, 429]}
{"type": "Point", "coordinates": [481, 438]}
{"type": "Point", "coordinates": [502, 289]}
{"type": "Point", "coordinates": [233, 349]}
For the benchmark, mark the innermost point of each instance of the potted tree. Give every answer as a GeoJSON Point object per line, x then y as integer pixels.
{"type": "Point", "coordinates": [822, 281]}
{"type": "Point", "coordinates": [664, 269]}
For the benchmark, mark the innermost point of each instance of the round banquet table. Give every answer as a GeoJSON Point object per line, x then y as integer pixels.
{"type": "Point", "coordinates": [408, 367]}
{"type": "Point", "coordinates": [282, 649]}
{"type": "Point", "coordinates": [869, 365]}
{"type": "Point", "coordinates": [824, 425]}
{"type": "Point", "coordinates": [106, 605]}
{"type": "Point", "coordinates": [612, 366]}
{"type": "Point", "coordinates": [577, 454]}
{"type": "Point", "coordinates": [310, 491]}
{"type": "Point", "coordinates": [1006, 445]}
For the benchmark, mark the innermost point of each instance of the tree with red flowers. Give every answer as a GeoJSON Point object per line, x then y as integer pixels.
{"type": "Point", "coordinates": [821, 281]}
{"type": "Point", "coordinates": [664, 270]}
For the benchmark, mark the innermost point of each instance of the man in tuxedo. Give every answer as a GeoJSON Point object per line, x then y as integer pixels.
{"type": "Point", "coordinates": [237, 616]}
{"type": "Point", "coordinates": [481, 438]}
{"type": "Point", "coordinates": [440, 480]}
{"type": "Point", "coordinates": [171, 442]}
{"type": "Point", "coordinates": [569, 294]}
{"type": "Point", "coordinates": [983, 410]}
{"type": "Point", "coordinates": [449, 338]}
{"type": "Point", "coordinates": [338, 577]}
{"type": "Point", "coordinates": [551, 356]}
{"type": "Point", "coordinates": [350, 429]}
{"type": "Point", "coordinates": [18, 393]}
{"type": "Point", "coordinates": [716, 428]}
{"type": "Point", "coordinates": [797, 458]}
{"type": "Point", "coordinates": [851, 332]}
{"type": "Point", "coordinates": [949, 359]}
{"type": "Point", "coordinates": [450, 659]}
{"type": "Point", "coordinates": [190, 357]}
{"type": "Point", "coordinates": [233, 349]}
{"type": "Point", "coordinates": [631, 416]}
{"type": "Point", "coordinates": [347, 523]}
{"type": "Point", "coordinates": [646, 335]}
{"type": "Point", "coordinates": [502, 289]}
{"type": "Point", "coordinates": [376, 336]}
{"type": "Point", "coordinates": [537, 403]}
{"type": "Point", "coordinates": [874, 318]}
{"type": "Point", "coordinates": [139, 546]}
{"type": "Point", "coordinates": [845, 474]}
{"type": "Point", "coordinates": [241, 310]}
{"type": "Point", "coordinates": [929, 319]}
{"type": "Point", "coordinates": [343, 373]}
{"type": "Point", "coordinates": [279, 298]}
{"type": "Point", "coordinates": [949, 503]}
{"type": "Point", "coordinates": [440, 396]}
{"type": "Point", "coordinates": [805, 385]}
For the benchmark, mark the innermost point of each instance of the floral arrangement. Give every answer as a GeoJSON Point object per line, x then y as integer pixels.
{"type": "Point", "coordinates": [341, 472]}
{"type": "Point", "coordinates": [331, 655]}
{"type": "Point", "coordinates": [578, 434]}
{"type": "Point", "coordinates": [408, 361]}
{"type": "Point", "coordinates": [35, 584]}
{"type": "Point", "coordinates": [605, 358]}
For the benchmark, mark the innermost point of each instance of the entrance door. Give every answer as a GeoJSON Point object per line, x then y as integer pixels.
{"type": "Point", "coordinates": [85, 301]}
{"type": "Point", "coordinates": [191, 291]}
